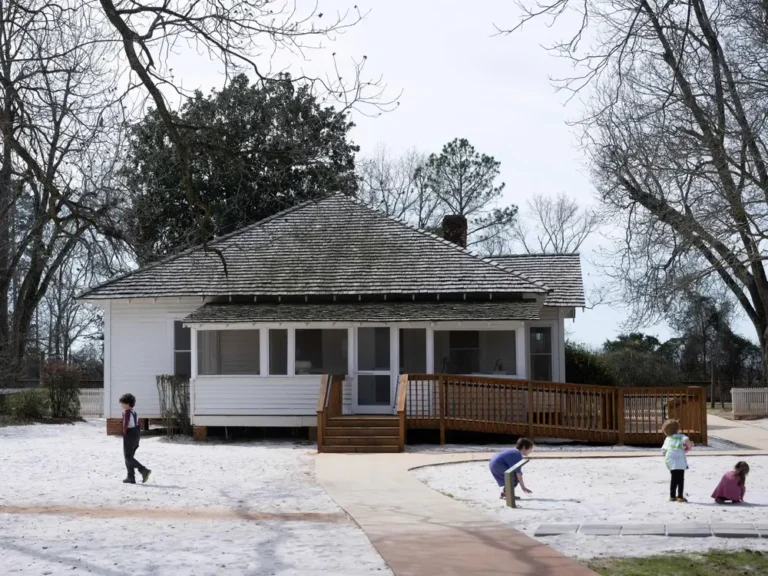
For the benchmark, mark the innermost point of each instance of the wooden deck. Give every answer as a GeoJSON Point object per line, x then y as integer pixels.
{"type": "Point", "coordinates": [520, 407]}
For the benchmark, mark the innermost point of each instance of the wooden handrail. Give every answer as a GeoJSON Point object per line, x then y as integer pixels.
{"type": "Point", "coordinates": [402, 390]}
{"type": "Point", "coordinates": [552, 409]}
{"type": "Point", "coordinates": [321, 403]}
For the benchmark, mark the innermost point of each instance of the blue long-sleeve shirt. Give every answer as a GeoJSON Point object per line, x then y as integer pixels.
{"type": "Point", "coordinates": [506, 459]}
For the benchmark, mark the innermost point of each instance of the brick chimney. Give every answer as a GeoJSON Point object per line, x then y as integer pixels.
{"type": "Point", "coordinates": [455, 229]}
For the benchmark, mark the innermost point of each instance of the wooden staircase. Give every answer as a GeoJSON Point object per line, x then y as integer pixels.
{"type": "Point", "coordinates": [339, 433]}
{"type": "Point", "coordinates": [361, 434]}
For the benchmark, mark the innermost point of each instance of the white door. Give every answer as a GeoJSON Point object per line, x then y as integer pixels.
{"type": "Point", "coordinates": [372, 392]}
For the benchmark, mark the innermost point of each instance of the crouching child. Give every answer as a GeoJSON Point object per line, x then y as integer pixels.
{"type": "Point", "coordinates": [505, 459]}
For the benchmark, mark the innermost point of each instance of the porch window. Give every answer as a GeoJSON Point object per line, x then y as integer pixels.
{"type": "Point", "coordinates": [278, 352]}
{"type": "Point", "coordinates": [413, 351]}
{"type": "Point", "coordinates": [182, 350]}
{"type": "Point", "coordinates": [321, 351]}
{"type": "Point", "coordinates": [541, 353]}
{"type": "Point", "coordinates": [228, 352]}
{"type": "Point", "coordinates": [476, 352]}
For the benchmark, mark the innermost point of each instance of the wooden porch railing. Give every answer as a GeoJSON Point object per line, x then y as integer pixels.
{"type": "Point", "coordinates": [329, 404]}
{"type": "Point", "coordinates": [549, 410]}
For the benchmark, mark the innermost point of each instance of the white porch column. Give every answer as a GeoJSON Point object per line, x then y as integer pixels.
{"type": "Point", "coordinates": [291, 351]}
{"type": "Point", "coordinates": [521, 351]}
{"type": "Point", "coordinates": [350, 383]}
{"type": "Point", "coordinates": [193, 372]}
{"type": "Point", "coordinates": [394, 361]}
{"type": "Point", "coordinates": [561, 345]}
{"type": "Point", "coordinates": [263, 351]}
{"type": "Point", "coordinates": [107, 359]}
{"type": "Point", "coordinates": [430, 350]}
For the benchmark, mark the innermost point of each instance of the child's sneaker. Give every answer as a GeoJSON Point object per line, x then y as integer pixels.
{"type": "Point", "coordinates": [682, 500]}
{"type": "Point", "coordinates": [145, 476]}
{"type": "Point", "coordinates": [129, 481]}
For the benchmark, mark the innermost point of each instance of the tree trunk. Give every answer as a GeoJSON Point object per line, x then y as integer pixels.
{"type": "Point", "coordinates": [6, 199]}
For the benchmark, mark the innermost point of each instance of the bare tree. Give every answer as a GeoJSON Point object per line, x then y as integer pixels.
{"type": "Point", "coordinates": [395, 186]}
{"type": "Point", "coordinates": [554, 225]}
{"type": "Point", "coordinates": [421, 190]}
{"type": "Point", "coordinates": [60, 127]}
{"type": "Point", "coordinates": [69, 323]}
{"type": "Point", "coordinates": [676, 132]}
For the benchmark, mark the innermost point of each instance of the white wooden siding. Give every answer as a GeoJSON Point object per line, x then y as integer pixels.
{"type": "Point", "coordinates": [260, 396]}
{"type": "Point", "coordinates": [141, 344]}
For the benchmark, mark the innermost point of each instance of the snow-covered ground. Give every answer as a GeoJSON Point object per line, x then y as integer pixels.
{"type": "Point", "coordinates": [632, 490]}
{"type": "Point", "coordinates": [209, 508]}
{"type": "Point", "coordinates": [552, 445]}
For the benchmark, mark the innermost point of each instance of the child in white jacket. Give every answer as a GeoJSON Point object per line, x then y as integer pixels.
{"type": "Point", "coordinates": [675, 448]}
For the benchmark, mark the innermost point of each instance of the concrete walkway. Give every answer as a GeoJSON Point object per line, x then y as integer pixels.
{"type": "Point", "coordinates": [420, 532]}
{"type": "Point", "coordinates": [751, 433]}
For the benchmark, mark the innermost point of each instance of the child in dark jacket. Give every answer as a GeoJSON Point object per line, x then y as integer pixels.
{"type": "Point", "coordinates": [131, 436]}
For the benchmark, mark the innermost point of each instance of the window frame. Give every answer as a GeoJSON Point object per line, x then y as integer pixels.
{"type": "Point", "coordinates": [174, 351]}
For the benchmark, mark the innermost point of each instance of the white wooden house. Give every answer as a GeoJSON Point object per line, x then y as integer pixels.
{"type": "Point", "coordinates": [328, 287]}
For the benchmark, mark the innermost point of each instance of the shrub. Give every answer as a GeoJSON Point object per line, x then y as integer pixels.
{"type": "Point", "coordinates": [585, 366]}
{"type": "Point", "coordinates": [32, 404]}
{"type": "Point", "coordinates": [173, 392]}
{"type": "Point", "coordinates": [63, 385]}
{"type": "Point", "coordinates": [632, 367]}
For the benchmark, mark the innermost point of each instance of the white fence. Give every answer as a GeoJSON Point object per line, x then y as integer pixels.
{"type": "Point", "coordinates": [92, 402]}
{"type": "Point", "coordinates": [749, 402]}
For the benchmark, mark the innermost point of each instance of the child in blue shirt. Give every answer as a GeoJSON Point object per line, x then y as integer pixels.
{"type": "Point", "coordinates": [505, 459]}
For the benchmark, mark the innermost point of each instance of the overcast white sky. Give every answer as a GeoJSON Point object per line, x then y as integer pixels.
{"type": "Point", "coordinates": [459, 79]}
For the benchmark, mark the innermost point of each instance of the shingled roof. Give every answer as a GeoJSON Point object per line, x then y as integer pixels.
{"type": "Point", "coordinates": [560, 272]}
{"type": "Point", "coordinates": [333, 246]}
{"type": "Point", "coordinates": [364, 312]}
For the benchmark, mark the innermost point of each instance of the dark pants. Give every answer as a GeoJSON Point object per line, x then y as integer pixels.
{"type": "Point", "coordinates": [677, 483]}
{"type": "Point", "coordinates": [130, 445]}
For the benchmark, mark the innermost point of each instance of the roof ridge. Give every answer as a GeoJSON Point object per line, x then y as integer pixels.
{"type": "Point", "coordinates": [535, 254]}
{"type": "Point", "coordinates": [192, 249]}
{"type": "Point", "coordinates": [485, 259]}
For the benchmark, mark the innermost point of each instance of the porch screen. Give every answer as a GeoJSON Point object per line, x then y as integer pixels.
{"type": "Point", "coordinates": [228, 352]}
{"type": "Point", "coordinates": [413, 350]}
{"type": "Point", "coordinates": [321, 351]}
{"type": "Point", "coordinates": [468, 352]}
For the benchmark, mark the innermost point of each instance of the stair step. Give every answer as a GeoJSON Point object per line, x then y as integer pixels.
{"type": "Point", "coordinates": [364, 422]}
{"type": "Point", "coordinates": [360, 449]}
{"type": "Point", "coordinates": [350, 431]}
{"type": "Point", "coordinates": [361, 441]}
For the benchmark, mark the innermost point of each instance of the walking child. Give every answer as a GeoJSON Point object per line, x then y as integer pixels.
{"type": "Point", "coordinates": [505, 459]}
{"type": "Point", "coordinates": [675, 447]}
{"type": "Point", "coordinates": [732, 485]}
{"type": "Point", "coordinates": [131, 436]}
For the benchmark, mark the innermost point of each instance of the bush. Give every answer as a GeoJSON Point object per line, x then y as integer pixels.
{"type": "Point", "coordinates": [585, 366]}
{"type": "Point", "coordinates": [173, 392]}
{"type": "Point", "coordinates": [32, 404]}
{"type": "Point", "coordinates": [631, 367]}
{"type": "Point", "coordinates": [63, 385]}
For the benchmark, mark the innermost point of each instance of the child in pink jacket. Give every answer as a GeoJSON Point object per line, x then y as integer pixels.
{"type": "Point", "coordinates": [732, 485]}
